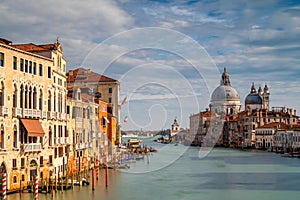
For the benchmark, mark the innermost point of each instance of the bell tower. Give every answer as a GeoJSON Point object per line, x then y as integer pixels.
{"type": "Point", "coordinates": [266, 97]}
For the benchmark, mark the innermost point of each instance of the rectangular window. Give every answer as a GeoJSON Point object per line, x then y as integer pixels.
{"type": "Point", "coordinates": [21, 64]}
{"type": "Point", "coordinates": [26, 66]}
{"type": "Point", "coordinates": [1, 59]}
{"type": "Point", "coordinates": [34, 68]}
{"type": "Point", "coordinates": [41, 70]}
{"type": "Point", "coordinates": [68, 109]}
{"type": "Point", "coordinates": [22, 163]}
{"type": "Point", "coordinates": [14, 162]}
{"type": "Point", "coordinates": [49, 72]}
{"type": "Point", "coordinates": [109, 100]}
{"type": "Point", "coordinates": [109, 90]}
{"type": "Point", "coordinates": [50, 160]}
{"type": "Point", "coordinates": [15, 62]}
{"type": "Point", "coordinates": [74, 112]}
{"type": "Point", "coordinates": [30, 67]}
{"type": "Point", "coordinates": [41, 161]}
{"type": "Point", "coordinates": [83, 112]}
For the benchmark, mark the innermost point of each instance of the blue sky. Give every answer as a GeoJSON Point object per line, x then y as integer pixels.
{"type": "Point", "coordinates": [163, 73]}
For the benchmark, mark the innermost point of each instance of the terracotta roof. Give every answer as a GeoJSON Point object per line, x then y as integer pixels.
{"type": "Point", "coordinates": [5, 41]}
{"type": "Point", "coordinates": [86, 97]}
{"type": "Point", "coordinates": [85, 75]}
{"type": "Point", "coordinates": [30, 47]}
{"type": "Point", "coordinates": [279, 125]}
{"type": "Point", "coordinates": [207, 113]}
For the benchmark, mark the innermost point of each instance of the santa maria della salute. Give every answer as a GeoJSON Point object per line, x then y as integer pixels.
{"type": "Point", "coordinates": [255, 126]}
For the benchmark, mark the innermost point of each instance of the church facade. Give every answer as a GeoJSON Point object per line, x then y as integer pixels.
{"type": "Point", "coordinates": [238, 126]}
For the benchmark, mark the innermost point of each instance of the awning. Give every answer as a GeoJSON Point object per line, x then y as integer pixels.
{"type": "Point", "coordinates": [107, 121]}
{"type": "Point", "coordinates": [33, 127]}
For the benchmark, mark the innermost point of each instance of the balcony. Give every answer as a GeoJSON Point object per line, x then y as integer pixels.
{"type": "Point", "coordinates": [31, 147]}
{"type": "Point", "coordinates": [62, 140]}
{"type": "Point", "coordinates": [79, 120]}
{"type": "Point", "coordinates": [51, 115]}
{"type": "Point", "coordinates": [36, 113]}
{"type": "Point", "coordinates": [63, 116]}
{"type": "Point", "coordinates": [57, 141]}
{"type": "Point", "coordinates": [59, 116]}
{"type": "Point", "coordinates": [30, 113]}
{"type": "Point", "coordinates": [67, 140]}
{"type": "Point", "coordinates": [17, 112]}
{"type": "Point", "coordinates": [3, 110]}
{"type": "Point", "coordinates": [44, 114]}
{"type": "Point", "coordinates": [80, 146]}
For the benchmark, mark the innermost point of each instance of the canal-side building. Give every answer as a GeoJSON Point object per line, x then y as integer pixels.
{"type": "Point", "coordinates": [239, 127]}
{"type": "Point", "coordinates": [107, 90]}
{"type": "Point", "coordinates": [287, 139]}
{"type": "Point", "coordinates": [33, 120]}
{"type": "Point", "coordinates": [250, 120]}
{"type": "Point", "coordinates": [264, 135]}
{"type": "Point", "coordinates": [83, 128]}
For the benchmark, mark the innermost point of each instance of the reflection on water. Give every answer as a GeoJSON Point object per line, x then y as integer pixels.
{"type": "Point", "coordinates": [223, 174]}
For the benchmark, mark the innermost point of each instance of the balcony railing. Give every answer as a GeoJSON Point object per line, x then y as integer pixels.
{"type": "Point", "coordinates": [63, 116]}
{"type": "Point", "coordinates": [3, 110]}
{"type": "Point", "coordinates": [31, 147]}
{"type": "Point", "coordinates": [80, 146]}
{"type": "Point", "coordinates": [79, 120]}
{"type": "Point", "coordinates": [67, 141]}
{"type": "Point", "coordinates": [51, 115]}
{"type": "Point", "coordinates": [26, 112]}
{"type": "Point", "coordinates": [17, 112]}
{"type": "Point", "coordinates": [44, 114]}
{"type": "Point", "coordinates": [62, 140]}
{"type": "Point", "coordinates": [58, 116]}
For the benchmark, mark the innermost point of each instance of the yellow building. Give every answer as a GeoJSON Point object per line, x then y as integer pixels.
{"type": "Point", "coordinates": [33, 120]}
{"type": "Point", "coordinates": [103, 131]}
{"type": "Point", "coordinates": [83, 126]}
{"type": "Point", "coordinates": [108, 91]}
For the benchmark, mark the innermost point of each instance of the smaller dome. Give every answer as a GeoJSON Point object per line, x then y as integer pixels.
{"type": "Point", "coordinates": [253, 99]}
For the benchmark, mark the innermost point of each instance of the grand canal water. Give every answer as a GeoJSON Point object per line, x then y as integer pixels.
{"type": "Point", "coordinates": [177, 172]}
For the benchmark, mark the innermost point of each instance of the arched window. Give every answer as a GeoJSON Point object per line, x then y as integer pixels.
{"type": "Point", "coordinates": [49, 101]}
{"type": "Point", "coordinates": [26, 97]}
{"type": "Point", "coordinates": [74, 138]}
{"type": "Point", "coordinates": [2, 138]}
{"type": "Point", "coordinates": [15, 141]}
{"type": "Point", "coordinates": [2, 94]}
{"type": "Point", "coordinates": [50, 136]}
{"type": "Point", "coordinates": [34, 98]}
{"type": "Point", "coordinates": [15, 96]}
{"type": "Point", "coordinates": [54, 102]}
{"type": "Point", "coordinates": [30, 97]}
{"type": "Point", "coordinates": [59, 102]}
{"type": "Point", "coordinates": [21, 96]}
{"type": "Point", "coordinates": [41, 100]}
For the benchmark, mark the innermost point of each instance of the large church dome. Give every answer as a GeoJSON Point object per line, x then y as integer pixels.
{"type": "Point", "coordinates": [225, 93]}
{"type": "Point", "coordinates": [225, 98]}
